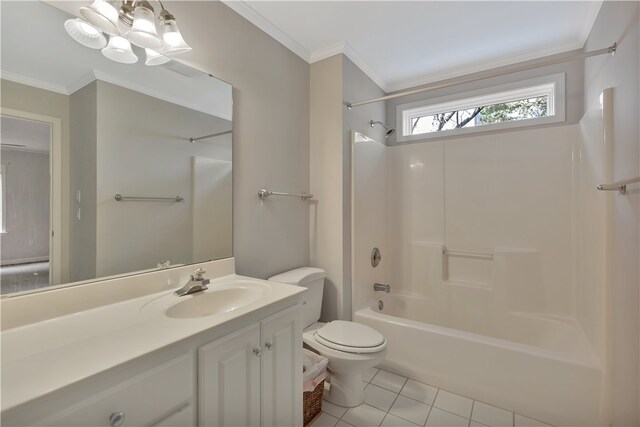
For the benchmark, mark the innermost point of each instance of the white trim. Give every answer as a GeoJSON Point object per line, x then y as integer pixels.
{"type": "Point", "coordinates": [28, 81]}
{"type": "Point", "coordinates": [246, 11]}
{"type": "Point", "coordinates": [350, 53]}
{"type": "Point", "coordinates": [6, 262]}
{"type": "Point", "coordinates": [345, 48]}
{"type": "Point", "coordinates": [81, 82]}
{"type": "Point", "coordinates": [56, 191]}
{"type": "Point", "coordinates": [450, 102]}
{"type": "Point", "coordinates": [243, 9]}
{"type": "Point", "coordinates": [24, 149]}
{"type": "Point", "coordinates": [93, 75]}
{"type": "Point", "coordinates": [327, 52]}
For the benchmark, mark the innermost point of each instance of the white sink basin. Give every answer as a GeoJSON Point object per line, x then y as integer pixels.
{"type": "Point", "coordinates": [216, 300]}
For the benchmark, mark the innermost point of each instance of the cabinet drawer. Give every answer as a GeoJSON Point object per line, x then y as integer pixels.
{"type": "Point", "coordinates": [143, 400]}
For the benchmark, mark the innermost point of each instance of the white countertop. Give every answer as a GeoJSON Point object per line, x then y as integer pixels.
{"type": "Point", "coordinates": [42, 357]}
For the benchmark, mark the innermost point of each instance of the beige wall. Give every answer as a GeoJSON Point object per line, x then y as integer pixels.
{"type": "Point", "coordinates": [333, 81]}
{"type": "Point", "coordinates": [327, 181]}
{"type": "Point", "coordinates": [39, 101]}
{"type": "Point", "coordinates": [83, 106]}
{"type": "Point", "coordinates": [619, 21]}
{"type": "Point", "coordinates": [148, 158]}
{"type": "Point", "coordinates": [270, 132]}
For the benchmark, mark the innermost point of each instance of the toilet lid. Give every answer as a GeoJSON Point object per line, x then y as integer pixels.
{"type": "Point", "coordinates": [350, 337]}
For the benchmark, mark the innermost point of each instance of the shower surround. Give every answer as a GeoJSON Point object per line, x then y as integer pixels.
{"type": "Point", "coordinates": [494, 246]}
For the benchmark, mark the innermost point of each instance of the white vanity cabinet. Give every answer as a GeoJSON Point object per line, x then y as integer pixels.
{"type": "Point", "coordinates": [157, 395]}
{"type": "Point", "coordinates": [244, 372]}
{"type": "Point", "coordinates": [254, 376]}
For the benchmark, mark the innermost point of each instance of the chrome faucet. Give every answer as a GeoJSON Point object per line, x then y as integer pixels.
{"type": "Point", "coordinates": [197, 283]}
{"type": "Point", "coordinates": [381, 287]}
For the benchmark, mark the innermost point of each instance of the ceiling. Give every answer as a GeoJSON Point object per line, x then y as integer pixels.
{"type": "Point", "coordinates": [401, 44]}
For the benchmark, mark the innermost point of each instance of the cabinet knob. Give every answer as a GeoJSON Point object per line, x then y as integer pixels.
{"type": "Point", "coordinates": [257, 351]}
{"type": "Point", "coordinates": [116, 419]}
{"type": "Point", "coordinates": [269, 345]}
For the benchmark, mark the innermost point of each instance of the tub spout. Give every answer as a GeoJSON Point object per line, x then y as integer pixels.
{"type": "Point", "coordinates": [382, 287]}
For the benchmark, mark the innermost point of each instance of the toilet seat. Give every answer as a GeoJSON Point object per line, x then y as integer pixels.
{"type": "Point", "coordinates": [350, 337]}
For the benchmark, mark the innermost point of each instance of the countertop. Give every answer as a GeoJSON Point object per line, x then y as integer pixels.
{"type": "Point", "coordinates": [43, 357]}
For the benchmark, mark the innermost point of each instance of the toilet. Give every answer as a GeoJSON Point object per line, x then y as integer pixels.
{"type": "Point", "coordinates": [351, 347]}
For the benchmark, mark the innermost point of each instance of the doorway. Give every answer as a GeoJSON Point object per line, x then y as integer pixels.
{"type": "Point", "coordinates": [30, 204]}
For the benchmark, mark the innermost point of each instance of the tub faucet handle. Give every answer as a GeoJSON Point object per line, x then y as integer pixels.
{"type": "Point", "coordinates": [382, 287]}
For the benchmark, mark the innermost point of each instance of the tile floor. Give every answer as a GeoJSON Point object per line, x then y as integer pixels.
{"type": "Point", "coordinates": [395, 401]}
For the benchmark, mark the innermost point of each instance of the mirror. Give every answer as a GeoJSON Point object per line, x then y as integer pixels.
{"type": "Point", "coordinates": [106, 168]}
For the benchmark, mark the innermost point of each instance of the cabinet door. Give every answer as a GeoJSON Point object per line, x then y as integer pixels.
{"type": "Point", "coordinates": [229, 380]}
{"type": "Point", "coordinates": [282, 369]}
{"type": "Point", "coordinates": [145, 397]}
{"type": "Point", "coordinates": [183, 417]}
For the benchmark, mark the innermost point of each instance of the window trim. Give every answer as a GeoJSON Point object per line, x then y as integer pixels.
{"type": "Point", "coordinates": [485, 96]}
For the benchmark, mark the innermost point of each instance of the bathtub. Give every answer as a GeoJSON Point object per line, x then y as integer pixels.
{"type": "Point", "coordinates": [536, 365]}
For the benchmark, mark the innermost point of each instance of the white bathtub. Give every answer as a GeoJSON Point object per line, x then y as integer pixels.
{"type": "Point", "coordinates": [539, 366]}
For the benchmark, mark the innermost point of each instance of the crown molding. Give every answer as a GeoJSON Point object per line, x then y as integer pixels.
{"type": "Point", "coordinates": [433, 78]}
{"type": "Point", "coordinates": [251, 15]}
{"type": "Point", "coordinates": [345, 48]}
{"type": "Point", "coordinates": [327, 52]}
{"type": "Point", "coordinates": [350, 53]}
{"type": "Point", "coordinates": [28, 81]}
{"type": "Point", "coordinates": [589, 21]}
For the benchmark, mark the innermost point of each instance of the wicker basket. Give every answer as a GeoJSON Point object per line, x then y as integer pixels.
{"type": "Point", "coordinates": [312, 403]}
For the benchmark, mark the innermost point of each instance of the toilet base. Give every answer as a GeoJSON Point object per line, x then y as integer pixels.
{"type": "Point", "coordinates": [346, 389]}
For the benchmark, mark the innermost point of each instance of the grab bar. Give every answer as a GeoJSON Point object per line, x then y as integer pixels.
{"type": "Point", "coordinates": [620, 186]}
{"type": "Point", "coordinates": [263, 194]}
{"type": "Point", "coordinates": [481, 255]}
{"type": "Point", "coordinates": [120, 198]}
{"type": "Point", "coordinates": [199, 138]}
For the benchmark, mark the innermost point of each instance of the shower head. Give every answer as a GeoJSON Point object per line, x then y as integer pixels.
{"type": "Point", "coordinates": [390, 131]}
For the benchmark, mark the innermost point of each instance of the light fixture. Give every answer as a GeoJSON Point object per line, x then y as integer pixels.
{"type": "Point", "coordinates": [119, 50]}
{"type": "Point", "coordinates": [103, 15]}
{"type": "Point", "coordinates": [154, 58]}
{"type": "Point", "coordinates": [85, 33]}
{"type": "Point", "coordinates": [130, 21]}
{"type": "Point", "coordinates": [143, 30]}
{"type": "Point", "coordinates": [173, 41]}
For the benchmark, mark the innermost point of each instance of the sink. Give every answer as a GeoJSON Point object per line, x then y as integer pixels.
{"type": "Point", "coordinates": [216, 300]}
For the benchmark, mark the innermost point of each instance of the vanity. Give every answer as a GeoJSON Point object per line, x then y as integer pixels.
{"type": "Point", "coordinates": [229, 355]}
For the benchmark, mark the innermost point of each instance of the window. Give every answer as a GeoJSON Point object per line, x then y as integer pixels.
{"type": "Point", "coordinates": [527, 103]}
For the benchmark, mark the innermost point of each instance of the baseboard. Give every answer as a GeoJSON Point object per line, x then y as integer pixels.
{"type": "Point", "coordinates": [7, 262]}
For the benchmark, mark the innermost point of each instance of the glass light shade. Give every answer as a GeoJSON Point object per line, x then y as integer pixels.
{"type": "Point", "coordinates": [85, 33]}
{"type": "Point", "coordinates": [173, 41]}
{"type": "Point", "coordinates": [143, 30]}
{"type": "Point", "coordinates": [119, 50]}
{"type": "Point", "coordinates": [154, 58]}
{"type": "Point", "coordinates": [103, 15]}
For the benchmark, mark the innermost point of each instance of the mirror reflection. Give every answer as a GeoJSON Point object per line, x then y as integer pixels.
{"type": "Point", "coordinates": [105, 168]}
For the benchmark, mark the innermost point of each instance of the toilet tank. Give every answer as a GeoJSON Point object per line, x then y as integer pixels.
{"type": "Point", "coordinates": [312, 279]}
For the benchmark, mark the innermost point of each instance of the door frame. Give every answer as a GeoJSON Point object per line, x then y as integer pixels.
{"type": "Point", "coordinates": [55, 187]}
